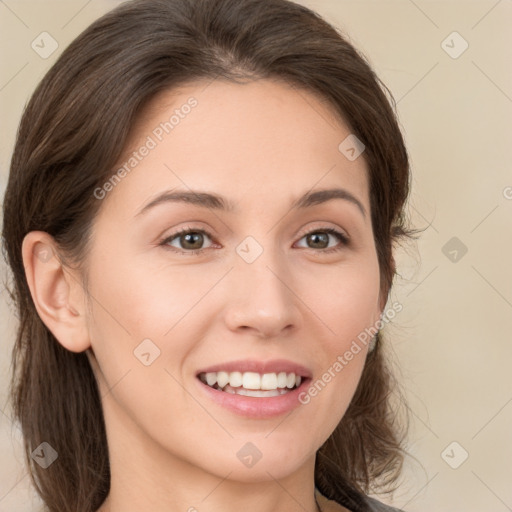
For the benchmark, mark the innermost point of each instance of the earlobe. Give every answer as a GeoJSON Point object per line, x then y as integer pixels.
{"type": "Point", "coordinates": [53, 288]}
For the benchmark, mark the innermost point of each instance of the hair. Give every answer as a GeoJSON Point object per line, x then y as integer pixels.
{"type": "Point", "coordinates": [73, 131]}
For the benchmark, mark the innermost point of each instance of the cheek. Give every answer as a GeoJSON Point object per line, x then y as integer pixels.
{"type": "Point", "coordinates": [132, 303]}
{"type": "Point", "coordinates": [344, 299]}
{"type": "Point", "coordinates": [138, 352]}
{"type": "Point", "coordinates": [133, 297]}
{"type": "Point", "coordinates": [346, 304]}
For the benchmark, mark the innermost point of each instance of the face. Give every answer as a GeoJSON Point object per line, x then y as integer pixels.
{"type": "Point", "coordinates": [177, 287]}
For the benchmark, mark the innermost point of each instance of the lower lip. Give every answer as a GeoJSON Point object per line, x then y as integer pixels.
{"type": "Point", "coordinates": [256, 407]}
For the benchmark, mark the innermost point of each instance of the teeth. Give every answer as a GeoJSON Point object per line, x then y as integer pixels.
{"type": "Point", "coordinates": [252, 380]}
{"type": "Point", "coordinates": [281, 380]}
{"type": "Point", "coordinates": [269, 381]}
{"type": "Point", "coordinates": [235, 379]}
{"type": "Point", "coordinates": [222, 378]}
{"type": "Point", "coordinates": [258, 393]}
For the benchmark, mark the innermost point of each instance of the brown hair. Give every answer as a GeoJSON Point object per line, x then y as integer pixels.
{"type": "Point", "coordinates": [72, 133]}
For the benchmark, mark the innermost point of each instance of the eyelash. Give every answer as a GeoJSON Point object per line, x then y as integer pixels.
{"type": "Point", "coordinates": [341, 237]}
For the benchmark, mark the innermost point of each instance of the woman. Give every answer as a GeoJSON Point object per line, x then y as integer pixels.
{"type": "Point", "coordinates": [199, 218]}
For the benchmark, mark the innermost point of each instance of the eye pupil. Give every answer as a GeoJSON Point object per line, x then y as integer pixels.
{"type": "Point", "coordinates": [194, 236]}
{"type": "Point", "coordinates": [323, 237]}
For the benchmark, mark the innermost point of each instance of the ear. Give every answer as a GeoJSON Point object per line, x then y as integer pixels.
{"type": "Point", "coordinates": [57, 293]}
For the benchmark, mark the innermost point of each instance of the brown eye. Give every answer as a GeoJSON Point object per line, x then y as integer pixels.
{"type": "Point", "coordinates": [319, 239]}
{"type": "Point", "coordinates": [189, 240]}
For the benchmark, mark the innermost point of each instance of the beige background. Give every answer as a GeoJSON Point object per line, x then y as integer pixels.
{"type": "Point", "coordinates": [452, 339]}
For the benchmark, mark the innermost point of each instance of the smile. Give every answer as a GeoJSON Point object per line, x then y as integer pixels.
{"type": "Point", "coordinates": [252, 383]}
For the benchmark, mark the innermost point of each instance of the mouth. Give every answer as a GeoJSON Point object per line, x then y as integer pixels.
{"type": "Point", "coordinates": [255, 389]}
{"type": "Point", "coordinates": [252, 384]}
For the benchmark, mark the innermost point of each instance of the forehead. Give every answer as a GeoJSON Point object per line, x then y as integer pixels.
{"type": "Point", "coordinates": [264, 137]}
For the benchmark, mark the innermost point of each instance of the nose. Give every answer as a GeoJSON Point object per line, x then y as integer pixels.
{"type": "Point", "coordinates": [261, 298]}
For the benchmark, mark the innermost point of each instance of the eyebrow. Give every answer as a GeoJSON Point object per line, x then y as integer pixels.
{"type": "Point", "coordinates": [217, 202]}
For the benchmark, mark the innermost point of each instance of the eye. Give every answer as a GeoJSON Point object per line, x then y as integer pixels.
{"type": "Point", "coordinates": [191, 240]}
{"type": "Point", "coordinates": [320, 239]}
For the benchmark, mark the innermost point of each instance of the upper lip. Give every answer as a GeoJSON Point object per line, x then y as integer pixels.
{"type": "Point", "coordinates": [253, 365]}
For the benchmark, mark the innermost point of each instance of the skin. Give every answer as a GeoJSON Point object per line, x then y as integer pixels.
{"type": "Point", "coordinates": [261, 145]}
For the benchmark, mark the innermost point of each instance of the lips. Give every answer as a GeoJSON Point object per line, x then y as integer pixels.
{"type": "Point", "coordinates": [253, 365]}
{"type": "Point", "coordinates": [252, 407]}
